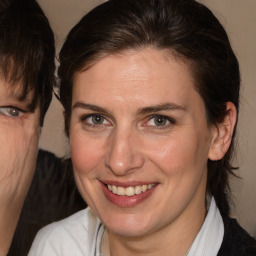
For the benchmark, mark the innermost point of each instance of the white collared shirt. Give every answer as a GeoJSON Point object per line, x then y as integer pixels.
{"type": "Point", "coordinates": [81, 234]}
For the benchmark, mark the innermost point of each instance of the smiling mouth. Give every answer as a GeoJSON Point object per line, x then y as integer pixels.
{"type": "Point", "coordinates": [129, 191]}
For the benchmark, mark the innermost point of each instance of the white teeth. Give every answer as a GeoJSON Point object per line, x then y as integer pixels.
{"type": "Point", "coordinates": [129, 191]}
{"type": "Point", "coordinates": [137, 190]}
{"type": "Point", "coordinates": [144, 188]}
{"type": "Point", "coordinates": [150, 186]}
{"type": "Point", "coordinates": [121, 191]}
{"type": "Point", "coordinates": [114, 189]}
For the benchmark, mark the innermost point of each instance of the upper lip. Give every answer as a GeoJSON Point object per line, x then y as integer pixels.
{"type": "Point", "coordinates": [127, 184]}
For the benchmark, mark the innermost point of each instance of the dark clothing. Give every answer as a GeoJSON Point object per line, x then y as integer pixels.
{"type": "Point", "coordinates": [236, 241]}
{"type": "Point", "coordinates": [52, 196]}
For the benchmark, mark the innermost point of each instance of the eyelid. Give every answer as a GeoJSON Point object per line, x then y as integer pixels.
{"type": "Point", "coordinates": [169, 119]}
{"type": "Point", "coordinates": [86, 116]}
{"type": "Point", "coordinates": [12, 107]}
{"type": "Point", "coordinates": [172, 120]}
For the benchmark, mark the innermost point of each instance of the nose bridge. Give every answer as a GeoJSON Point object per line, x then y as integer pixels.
{"type": "Point", "coordinates": [123, 153]}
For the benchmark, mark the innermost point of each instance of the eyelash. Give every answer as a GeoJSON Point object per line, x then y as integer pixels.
{"type": "Point", "coordinates": [86, 117]}
{"type": "Point", "coordinates": [5, 108]}
{"type": "Point", "coordinates": [167, 119]}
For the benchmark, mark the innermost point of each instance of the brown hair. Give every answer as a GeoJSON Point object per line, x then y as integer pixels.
{"type": "Point", "coordinates": [27, 50]}
{"type": "Point", "coordinates": [185, 27]}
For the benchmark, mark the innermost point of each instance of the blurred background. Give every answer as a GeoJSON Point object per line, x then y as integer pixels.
{"type": "Point", "coordinates": [239, 19]}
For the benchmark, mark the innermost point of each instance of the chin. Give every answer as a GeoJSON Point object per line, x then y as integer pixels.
{"type": "Point", "coordinates": [128, 226]}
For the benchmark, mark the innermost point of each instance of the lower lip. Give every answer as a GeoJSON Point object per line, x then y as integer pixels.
{"type": "Point", "coordinates": [127, 201]}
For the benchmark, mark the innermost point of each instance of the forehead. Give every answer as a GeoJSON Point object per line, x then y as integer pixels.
{"type": "Point", "coordinates": [138, 74]}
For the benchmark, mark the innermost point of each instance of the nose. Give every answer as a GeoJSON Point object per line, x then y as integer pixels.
{"type": "Point", "coordinates": [124, 153]}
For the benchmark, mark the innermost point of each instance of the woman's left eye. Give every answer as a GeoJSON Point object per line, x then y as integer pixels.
{"type": "Point", "coordinates": [11, 111]}
{"type": "Point", "coordinates": [160, 121]}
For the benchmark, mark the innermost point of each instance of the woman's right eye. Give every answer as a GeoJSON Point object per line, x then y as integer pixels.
{"type": "Point", "coordinates": [95, 120]}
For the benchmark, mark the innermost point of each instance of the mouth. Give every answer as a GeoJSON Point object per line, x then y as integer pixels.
{"type": "Point", "coordinates": [129, 191]}
{"type": "Point", "coordinates": [128, 195]}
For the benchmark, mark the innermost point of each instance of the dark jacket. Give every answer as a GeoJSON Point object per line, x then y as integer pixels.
{"type": "Point", "coordinates": [236, 241]}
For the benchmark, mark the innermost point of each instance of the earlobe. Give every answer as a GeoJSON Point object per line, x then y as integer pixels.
{"type": "Point", "coordinates": [223, 134]}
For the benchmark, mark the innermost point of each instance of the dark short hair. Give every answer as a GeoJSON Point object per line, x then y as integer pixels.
{"type": "Point", "coordinates": [27, 51]}
{"type": "Point", "coordinates": [186, 28]}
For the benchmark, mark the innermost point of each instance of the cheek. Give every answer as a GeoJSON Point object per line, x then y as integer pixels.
{"type": "Point", "coordinates": [180, 154]}
{"type": "Point", "coordinates": [85, 153]}
{"type": "Point", "coordinates": [18, 136]}
{"type": "Point", "coordinates": [18, 148]}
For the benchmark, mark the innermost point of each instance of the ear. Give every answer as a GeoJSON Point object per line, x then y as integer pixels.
{"type": "Point", "coordinates": [222, 134]}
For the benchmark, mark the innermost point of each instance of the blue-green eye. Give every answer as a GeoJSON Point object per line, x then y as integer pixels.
{"type": "Point", "coordinates": [11, 111]}
{"type": "Point", "coordinates": [95, 119]}
{"type": "Point", "coordinates": [159, 121]}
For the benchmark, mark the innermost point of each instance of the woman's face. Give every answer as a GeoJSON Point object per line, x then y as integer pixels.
{"type": "Point", "coordinates": [140, 142]}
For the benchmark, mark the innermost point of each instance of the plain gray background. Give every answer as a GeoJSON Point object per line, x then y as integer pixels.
{"type": "Point", "coordinates": [239, 19]}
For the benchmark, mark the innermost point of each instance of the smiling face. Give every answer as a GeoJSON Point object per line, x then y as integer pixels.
{"type": "Point", "coordinates": [140, 142]}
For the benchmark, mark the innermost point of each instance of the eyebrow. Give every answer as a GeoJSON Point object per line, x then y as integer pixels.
{"type": "Point", "coordinates": [91, 107]}
{"type": "Point", "coordinates": [140, 111]}
{"type": "Point", "coordinates": [161, 107]}
{"type": "Point", "coordinates": [17, 97]}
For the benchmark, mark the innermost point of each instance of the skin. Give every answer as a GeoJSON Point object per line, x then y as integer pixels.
{"type": "Point", "coordinates": [125, 92]}
{"type": "Point", "coordinates": [19, 134]}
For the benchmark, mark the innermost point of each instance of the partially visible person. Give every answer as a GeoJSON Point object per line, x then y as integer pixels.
{"type": "Point", "coordinates": [151, 96]}
{"type": "Point", "coordinates": [27, 69]}
{"type": "Point", "coordinates": [52, 196]}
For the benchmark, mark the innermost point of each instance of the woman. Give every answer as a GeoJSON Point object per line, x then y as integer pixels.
{"type": "Point", "coordinates": [151, 96]}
